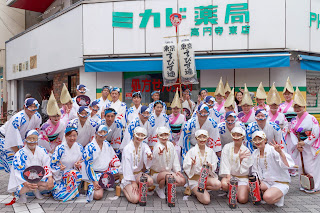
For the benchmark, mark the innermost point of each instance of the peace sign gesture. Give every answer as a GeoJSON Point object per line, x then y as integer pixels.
{"type": "Point", "coordinates": [243, 154]}
{"type": "Point", "coordinates": [193, 161]}
{"type": "Point", "coordinates": [161, 151]}
{"type": "Point", "coordinates": [276, 146]}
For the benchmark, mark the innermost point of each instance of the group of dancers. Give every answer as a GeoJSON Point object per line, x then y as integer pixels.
{"type": "Point", "coordinates": [80, 143]}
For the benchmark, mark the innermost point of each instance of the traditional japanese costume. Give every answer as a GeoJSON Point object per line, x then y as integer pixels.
{"type": "Point", "coordinates": [228, 103]}
{"type": "Point", "coordinates": [66, 181]}
{"type": "Point", "coordinates": [102, 104]}
{"type": "Point", "coordinates": [225, 134]}
{"type": "Point", "coordinates": [188, 140]}
{"type": "Point", "coordinates": [65, 98]}
{"type": "Point", "coordinates": [220, 91]}
{"type": "Point", "coordinates": [271, 169]}
{"type": "Point", "coordinates": [246, 99]}
{"type": "Point", "coordinates": [23, 159]}
{"type": "Point", "coordinates": [308, 128]}
{"type": "Point", "coordinates": [119, 107]}
{"type": "Point", "coordinates": [51, 135]}
{"type": "Point", "coordinates": [271, 129]}
{"type": "Point", "coordinates": [132, 113]}
{"type": "Point", "coordinates": [167, 162]}
{"type": "Point", "coordinates": [176, 122]}
{"type": "Point", "coordinates": [194, 172]}
{"type": "Point", "coordinates": [85, 132]}
{"type": "Point", "coordinates": [287, 107]}
{"type": "Point", "coordinates": [115, 135]}
{"type": "Point", "coordinates": [155, 122]}
{"type": "Point", "coordinates": [230, 163]}
{"type": "Point", "coordinates": [133, 162]}
{"type": "Point", "coordinates": [97, 162]}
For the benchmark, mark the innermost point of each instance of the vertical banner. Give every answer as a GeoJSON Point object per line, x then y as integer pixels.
{"type": "Point", "coordinates": [187, 62]}
{"type": "Point", "coordinates": [169, 63]}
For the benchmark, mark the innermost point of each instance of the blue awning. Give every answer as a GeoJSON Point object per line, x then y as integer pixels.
{"type": "Point", "coordinates": [310, 62]}
{"type": "Point", "coordinates": [147, 64]}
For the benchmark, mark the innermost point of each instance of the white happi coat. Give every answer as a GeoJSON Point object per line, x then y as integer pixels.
{"type": "Point", "coordinates": [209, 156]}
{"type": "Point", "coordinates": [120, 108]}
{"type": "Point", "coordinates": [115, 135]}
{"type": "Point", "coordinates": [230, 162]}
{"type": "Point", "coordinates": [98, 160]}
{"type": "Point", "coordinates": [17, 127]}
{"type": "Point", "coordinates": [310, 149]}
{"type": "Point", "coordinates": [75, 106]}
{"type": "Point", "coordinates": [188, 140]}
{"type": "Point", "coordinates": [272, 131]}
{"type": "Point", "coordinates": [168, 161]}
{"type": "Point", "coordinates": [155, 122]}
{"type": "Point", "coordinates": [102, 104]}
{"type": "Point", "coordinates": [284, 107]}
{"type": "Point", "coordinates": [96, 118]}
{"type": "Point", "coordinates": [225, 134]}
{"type": "Point", "coordinates": [273, 169]}
{"type": "Point", "coordinates": [23, 159]}
{"type": "Point", "coordinates": [66, 156]}
{"type": "Point", "coordinates": [132, 163]}
{"type": "Point", "coordinates": [132, 113]}
{"type": "Point", "coordinates": [85, 132]}
{"type": "Point", "coordinates": [128, 133]}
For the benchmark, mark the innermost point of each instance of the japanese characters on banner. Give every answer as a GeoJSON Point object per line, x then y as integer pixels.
{"type": "Point", "coordinates": [169, 63]}
{"type": "Point", "coordinates": [187, 62]}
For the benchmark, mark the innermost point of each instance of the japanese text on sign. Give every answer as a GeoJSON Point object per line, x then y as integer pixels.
{"type": "Point", "coordinates": [148, 85]}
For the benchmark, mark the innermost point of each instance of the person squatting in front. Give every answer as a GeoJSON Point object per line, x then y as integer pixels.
{"type": "Point", "coordinates": [271, 163]}
{"type": "Point", "coordinates": [136, 157]}
{"type": "Point", "coordinates": [30, 155]}
{"type": "Point", "coordinates": [99, 157]}
{"type": "Point", "coordinates": [235, 162]}
{"type": "Point", "coordinates": [165, 161]}
{"type": "Point", "coordinates": [195, 159]}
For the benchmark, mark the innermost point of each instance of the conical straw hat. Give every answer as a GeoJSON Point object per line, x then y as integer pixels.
{"type": "Point", "coordinates": [65, 95]}
{"type": "Point", "coordinates": [246, 99]}
{"type": "Point", "coordinates": [299, 99]}
{"type": "Point", "coordinates": [52, 106]}
{"type": "Point", "coordinates": [220, 88]}
{"type": "Point", "coordinates": [230, 100]}
{"type": "Point", "coordinates": [273, 96]}
{"type": "Point", "coordinates": [288, 86]}
{"type": "Point", "coordinates": [261, 93]}
{"type": "Point", "coordinates": [176, 101]}
{"type": "Point", "coordinates": [227, 88]}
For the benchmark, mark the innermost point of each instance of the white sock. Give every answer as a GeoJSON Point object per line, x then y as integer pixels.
{"type": "Point", "coordinates": [22, 198]}
{"type": "Point", "coordinates": [38, 194]}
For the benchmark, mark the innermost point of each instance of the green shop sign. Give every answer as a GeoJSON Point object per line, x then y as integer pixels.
{"type": "Point", "coordinates": [314, 18]}
{"type": "Point", "coordinates": [205, 18]}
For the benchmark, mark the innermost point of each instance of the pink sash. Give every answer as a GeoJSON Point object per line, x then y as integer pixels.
{"type": "Point", "coordinates": [54, 129]}
{"type": "Point", "coordinates": [246, 118]}
{"type": "Point", "coordinates": [288, 106]}
{"type": "Point", "coordinates": [299, 121]}
{"type": "Point", "coordinates": [273, 117]}
{"type": "Point", "coordinates": [219, 106]}
{"type": "Point", "coordinates": [173, 119]}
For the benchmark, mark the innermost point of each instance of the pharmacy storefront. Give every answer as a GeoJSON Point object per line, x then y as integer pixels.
{"type": "Point", "coordinates": [121, 43]}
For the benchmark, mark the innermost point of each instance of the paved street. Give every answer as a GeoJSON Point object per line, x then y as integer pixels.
{"type": "Point", "coordinates": [295, 201]}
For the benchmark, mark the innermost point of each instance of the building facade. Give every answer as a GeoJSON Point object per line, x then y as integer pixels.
{"type": "Point", "coordinates": [120, 43]}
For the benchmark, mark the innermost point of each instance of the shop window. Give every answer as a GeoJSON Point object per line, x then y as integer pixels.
{"type": "Point", "coordinates": [313, 87]}
{"type": "Point", "coordinates": [147, 83]}
{"type": "Point", "coordinates": [73, 81]}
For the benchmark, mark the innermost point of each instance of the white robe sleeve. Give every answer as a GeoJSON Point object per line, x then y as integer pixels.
{"type": "Point", "coordinates": [246, 163]}
{"type": "Point", "coordinates": [225, 167]}
{"type": "Point", "coordinates": [187, 165]}
{"type": "Point", "coordinates": [45, 158]}
{"type": "Point", "coordinates": [277, 157]}
{"type": "Point", "coordinates": [315, 132]}
{"type": "Point", "coordinates": [176, 163]}
{"type": "Point", "coordinates": [126, 165]}
{"type": "Point", "coordinates": [12, 136]}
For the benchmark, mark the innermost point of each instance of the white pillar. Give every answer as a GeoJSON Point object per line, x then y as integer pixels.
{"type": "Point", "coordinates": [89, 79]}
{"type": "Point", "coordinates": [14, 94]}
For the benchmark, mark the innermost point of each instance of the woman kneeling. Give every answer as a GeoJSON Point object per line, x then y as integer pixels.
{"type": "Point", "coordinates": [136, 156]}
{"type": "Point", "coordinates": [193, 162]}
{"type": "Point", "coordinates": [235, 162]}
